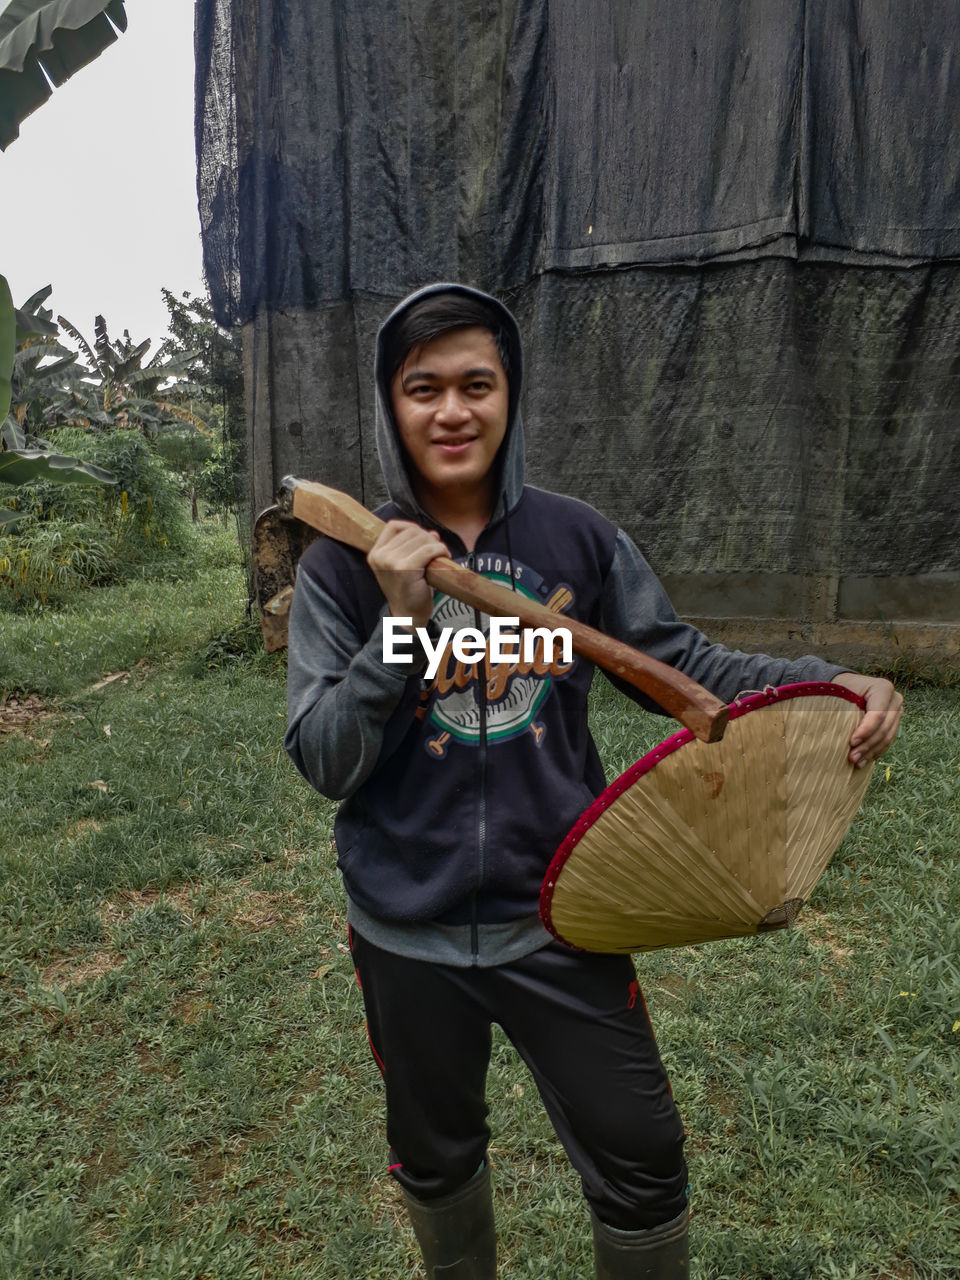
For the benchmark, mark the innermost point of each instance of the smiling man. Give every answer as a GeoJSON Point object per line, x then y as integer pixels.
{"type": "Point", "coordinates": [451, 413]}
{"type": "Point", "coordinates": [457, 790]}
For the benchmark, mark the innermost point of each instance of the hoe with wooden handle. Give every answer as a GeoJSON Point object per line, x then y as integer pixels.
{"type": "Point", "coordinates": [341, 517]}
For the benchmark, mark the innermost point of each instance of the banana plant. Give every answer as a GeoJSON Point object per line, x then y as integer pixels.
{"type": "Point", "coordinates": [23, 458]}
{"type": "Point", "coordinates": [43, 42]}
{"type": "Point", "coordinates": [119, 390]}
{"type": "Point", "coordinates": [45, 373]}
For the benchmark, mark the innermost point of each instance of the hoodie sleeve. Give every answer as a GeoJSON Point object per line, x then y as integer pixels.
{"type": "Point", "coordinates": [347, 706]}
{"type": "Point", "coordinates": [636, 609]}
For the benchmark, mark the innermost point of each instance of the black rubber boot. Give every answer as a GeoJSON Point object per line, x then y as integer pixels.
{"type": "Point", "coordinates": [456, 1233]}
{"type": "Point", "coordinates": [658, 1254]}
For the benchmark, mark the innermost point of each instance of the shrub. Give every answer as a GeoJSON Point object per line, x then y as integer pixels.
{"type": "Point", "coordinates": [71, 536]}
{"type": "Point", "coordinates": [47, 558]}
{"type": "Point", "coordinates": [219, 478]}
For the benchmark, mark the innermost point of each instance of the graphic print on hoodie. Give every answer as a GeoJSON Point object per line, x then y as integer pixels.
{"type": "Point", "coordinates": [512, 692]}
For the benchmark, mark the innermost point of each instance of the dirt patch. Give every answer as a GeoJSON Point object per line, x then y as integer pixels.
{"type": "Point", "coordinates": [101, 1167]}
{"type": "Point", "coordinates": [19, 712]}
{"type": "Point", "coordinates": [148, 1063]}
{"type": "Point", "coordinates": [720, 1101]}
{"type": "Point", "coordinates": [125, 902]}
{"type": "Point", "coordinates": [676, 986]}
{"type": "Point", "coordinates": [191, 1007]}
{"type": "Point", "coordinates": [81, 826]}
{"type": "Point", "coordinates": [70, 971]}
{"type": "Point", "coordinates": [250, 909]}
{"type": "Point", "coordinates": [209, 1169]}
{"type": "Point", "coordinates": [819, 934]}
{"type": "Point", "coordinates": [256, 910]}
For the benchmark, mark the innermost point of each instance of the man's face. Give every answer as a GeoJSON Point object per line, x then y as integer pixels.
{"type": "Point", "coordinates": [450, 401]}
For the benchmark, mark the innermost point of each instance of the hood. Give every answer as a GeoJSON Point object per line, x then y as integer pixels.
{"type": "Point", "coordinates": [392, 458]}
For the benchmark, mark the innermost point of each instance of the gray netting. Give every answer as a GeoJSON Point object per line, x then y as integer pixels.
{"type": "Point", "coordinates": [727, 231]}
{"type": "Point", "coordinates": [367, 146]}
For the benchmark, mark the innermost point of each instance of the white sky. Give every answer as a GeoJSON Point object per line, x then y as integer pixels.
{"type": "Point", "coordinates": [98, 194]}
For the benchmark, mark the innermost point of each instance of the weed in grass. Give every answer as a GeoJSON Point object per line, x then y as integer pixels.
{"type": "Point", "coordinates": [237, 644]}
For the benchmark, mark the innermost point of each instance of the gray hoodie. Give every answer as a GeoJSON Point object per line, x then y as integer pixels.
{"type": "Point", "coordinates": [456, 792]}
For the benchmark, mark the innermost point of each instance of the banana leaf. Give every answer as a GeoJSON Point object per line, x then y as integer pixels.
{"type": "Point", "coordinates": [13, 436]}
{"type": "Point", "coordinates": [32, 320]}
{"type": "Point", "coordinates": [23, 466]}
{"type": "Point", "coordinates": [44, 42]}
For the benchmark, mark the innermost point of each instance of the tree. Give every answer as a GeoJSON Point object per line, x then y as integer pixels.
{"type": "Point", "coordinates": [216, 356]}
{"type": "Point", "coordinates": [216, 366]}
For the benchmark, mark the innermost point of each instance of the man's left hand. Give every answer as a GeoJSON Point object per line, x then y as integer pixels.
{"type": "Point", "coordinates": [878, 728]}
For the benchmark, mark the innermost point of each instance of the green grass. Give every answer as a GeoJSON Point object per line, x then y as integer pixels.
{"type": "Point", "coordinates": [60, 651]}
{"type": "Point", "coordinates": [186, 1085]}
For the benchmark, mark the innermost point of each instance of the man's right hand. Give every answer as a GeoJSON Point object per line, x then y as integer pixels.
{"type": "Point", "coordinates": [399, 560]}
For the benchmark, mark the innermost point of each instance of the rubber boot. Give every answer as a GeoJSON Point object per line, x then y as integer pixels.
{"type": "Point", "coordinates": [658, 1254]}
{"type": "Point", "coordinates": [455, 1233]}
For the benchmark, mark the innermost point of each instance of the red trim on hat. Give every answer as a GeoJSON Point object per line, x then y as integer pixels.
{"type": "Point", "coordinates": [739, 707]}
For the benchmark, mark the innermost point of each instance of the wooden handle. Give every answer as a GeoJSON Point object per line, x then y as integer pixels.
{"type": "Point", "coordinates": [341, 517]}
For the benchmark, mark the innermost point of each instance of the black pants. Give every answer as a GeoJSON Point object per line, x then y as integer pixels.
{"type": "Point", "coordinates": [579, 1023]}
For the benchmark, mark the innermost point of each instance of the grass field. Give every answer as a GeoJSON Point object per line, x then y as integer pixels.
{"type": "Point", "coordinates": [186, 1086]}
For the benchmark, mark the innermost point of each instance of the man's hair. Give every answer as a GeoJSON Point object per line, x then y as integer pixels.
{"type": "Point", "coordinates": [436, 314]}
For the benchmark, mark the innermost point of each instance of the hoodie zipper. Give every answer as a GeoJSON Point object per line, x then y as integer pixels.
{"type": "Point", "coordinates": [482, 807]}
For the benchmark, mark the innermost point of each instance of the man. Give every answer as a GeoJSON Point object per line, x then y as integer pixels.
{"type": "Point", "coordinates": [458, 790]}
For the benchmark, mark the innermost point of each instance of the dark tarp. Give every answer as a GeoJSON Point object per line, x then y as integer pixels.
{"type": "Point", "coordinates": [726, 230]}
{"type": "Point", "coordinates": [367, 146]}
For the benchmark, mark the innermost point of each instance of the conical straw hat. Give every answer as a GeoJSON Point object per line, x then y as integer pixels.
{"type": "Point", "coordinates": [698, 841]}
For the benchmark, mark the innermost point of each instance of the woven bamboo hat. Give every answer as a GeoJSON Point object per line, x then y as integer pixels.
{"type": "Point", "coordinates": [700, 841]}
